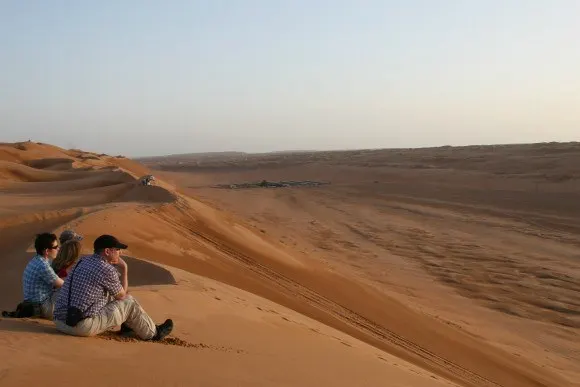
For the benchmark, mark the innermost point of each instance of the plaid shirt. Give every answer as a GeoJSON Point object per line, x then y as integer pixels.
{"type": "Point", "coordinates": [38, 280]}
{"type": "Point", "coordinates": [94, 282]}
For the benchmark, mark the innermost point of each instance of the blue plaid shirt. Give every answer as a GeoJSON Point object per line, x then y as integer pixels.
{"type": "Point", "coordinates": [38, 280]}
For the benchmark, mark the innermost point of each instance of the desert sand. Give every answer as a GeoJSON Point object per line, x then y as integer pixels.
{"type": "Point", "coordinates": [433, 267]}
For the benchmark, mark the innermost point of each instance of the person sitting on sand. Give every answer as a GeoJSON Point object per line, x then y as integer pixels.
{"type": "Point", "coordinates": [83, 307]}
{"type": "Point", "coordinates": [69, 235]}
{"type": "Point", "coordinates": [67, 256]}
{"type": "Point", "coordinates": [39, 279]}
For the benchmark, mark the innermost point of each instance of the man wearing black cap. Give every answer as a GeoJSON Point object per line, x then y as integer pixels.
{"type": "Point", "coordinates": [83, 306]}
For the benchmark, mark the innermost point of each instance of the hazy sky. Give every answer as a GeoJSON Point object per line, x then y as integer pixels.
{"type": "Point", "coordinates": [158, 77]}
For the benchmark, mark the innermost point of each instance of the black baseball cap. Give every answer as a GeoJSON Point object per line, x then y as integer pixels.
{"type": "Point", "coordinates": [108, 242]}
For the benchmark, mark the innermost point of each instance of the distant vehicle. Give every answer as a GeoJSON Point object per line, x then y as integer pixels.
{"type": "Point", "coordinates": [146, 180]}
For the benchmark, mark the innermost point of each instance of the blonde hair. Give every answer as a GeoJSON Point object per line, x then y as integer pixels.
{"type": "Point", "coordinates": [68, 254]}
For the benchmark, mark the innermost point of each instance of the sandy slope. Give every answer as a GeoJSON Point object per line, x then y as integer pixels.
{"type": "Point", "coordinates": [484, 239]}
{"type": "Point", "coordinates": [246, 339]}
{"type": "Point", "coordinates": [236, 339]}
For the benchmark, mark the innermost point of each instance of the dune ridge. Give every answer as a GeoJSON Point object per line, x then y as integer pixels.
{"type": "Point", "coordinates": [205, 248]}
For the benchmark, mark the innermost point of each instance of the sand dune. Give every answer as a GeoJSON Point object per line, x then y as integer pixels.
{"type": "Point", "coordinates": [147, 194]}
{"type": "Point", "coordinates": [17, 172]}
{"type": "Point", "coordinates": [250, 308]}
{"type": "Point", "coordinates": [235, 338]}
{"type": "Point", "coordinates": [484, 241]}
{"type": "Point", "coordinates": [52, 164]}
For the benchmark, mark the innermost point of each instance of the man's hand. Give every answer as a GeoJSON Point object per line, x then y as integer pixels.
{"type": "Point", "coordinates": [122, 264]}
{"type": "Point", "coordinates": [121, 295]}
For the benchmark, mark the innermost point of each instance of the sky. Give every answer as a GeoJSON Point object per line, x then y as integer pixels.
{"type": "Point", "coordinates": [143, 78]}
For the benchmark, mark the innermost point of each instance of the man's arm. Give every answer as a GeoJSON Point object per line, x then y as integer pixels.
{"type": "Point", "coordinates": [120, 286]}
{"type": "Point", "coordinates": [111, 283]}
{"type": "Point", "coordinates": [124, 269]}
{"type": "Point", "coordinates": [49, 276]}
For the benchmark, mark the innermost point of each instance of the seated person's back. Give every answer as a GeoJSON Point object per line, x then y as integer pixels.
{"type": "Point", "coordinates": [94, 299]}
{"type": "Point", "coordinates": [93, 282]}
{"type": "Point", "coordinates": [39, 279]}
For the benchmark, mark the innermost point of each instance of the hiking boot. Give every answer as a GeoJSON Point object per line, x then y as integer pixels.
{"type": "Point", "coordinates": [163, 330]}
{"type": "Point", "coordinates": [125, 329]}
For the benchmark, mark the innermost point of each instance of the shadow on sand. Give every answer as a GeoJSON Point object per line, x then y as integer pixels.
{"type": "Point", "coordinates": [142, 273]}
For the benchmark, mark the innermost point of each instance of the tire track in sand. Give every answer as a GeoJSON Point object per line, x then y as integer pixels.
{"type": "Point", "coordinates": [339, 312]}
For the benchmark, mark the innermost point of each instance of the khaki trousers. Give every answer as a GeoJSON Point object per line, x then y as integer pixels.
{"type": "Point", "coordinates": [115, 313]}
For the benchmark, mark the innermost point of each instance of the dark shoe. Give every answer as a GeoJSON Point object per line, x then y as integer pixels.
{"type": "Point", "coordinates": [125, 329]}
{"type": "Point", "coordinates": [163, 330]}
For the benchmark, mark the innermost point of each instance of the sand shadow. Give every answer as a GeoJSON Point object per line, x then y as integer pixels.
{"type": "Point", "coordinates": [39, 326]}
{"type": "Point", "coordinates": [142, 273]}
{"type": "Point", "coordinates": [28, 325]}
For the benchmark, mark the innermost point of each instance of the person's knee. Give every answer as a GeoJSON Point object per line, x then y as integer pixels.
{"type": "Point", "coordinates": [128, 303]}
{"type": "Point", "coordinates": [129, 300]}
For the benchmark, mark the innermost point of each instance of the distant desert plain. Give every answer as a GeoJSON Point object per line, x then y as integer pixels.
{"type": "Point", "coordinates": [447, 266]}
